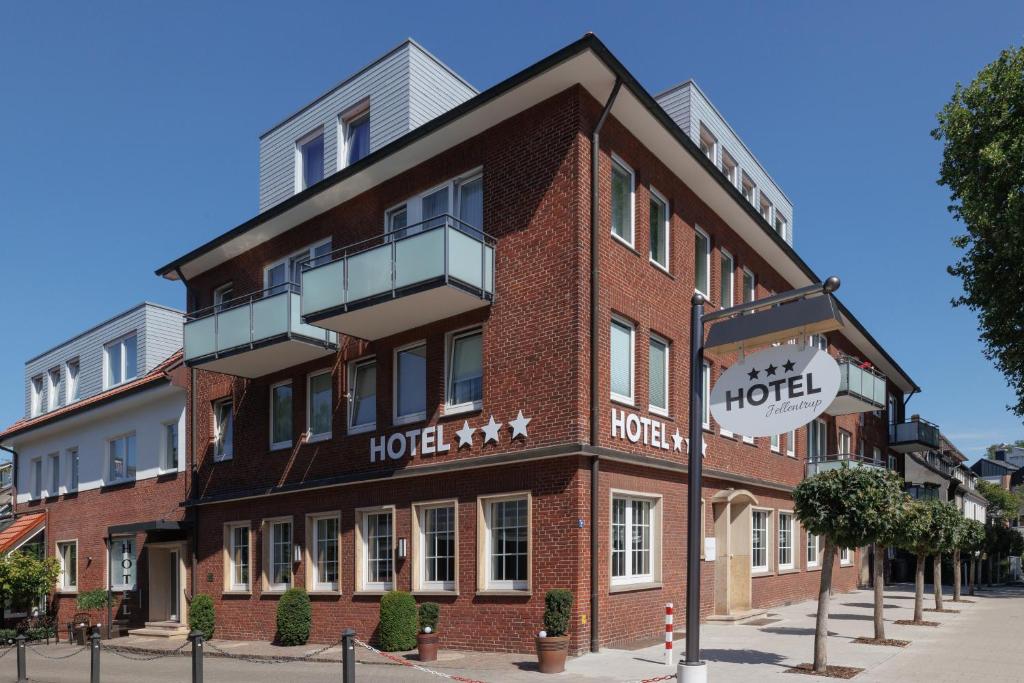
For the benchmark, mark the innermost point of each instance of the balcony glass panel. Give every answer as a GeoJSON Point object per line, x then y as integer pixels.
{"type": "Point", "coordinates": [369, 274]}
{"type": "Point", "coordinates": [322, 287]}
{"type": "Point", "coordinates": [200, 339]}
{"type": "Point", "coordinates": [418, 258]}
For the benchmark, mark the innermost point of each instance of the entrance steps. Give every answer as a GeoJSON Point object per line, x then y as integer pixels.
{"type": "Point", "coordinates": [736, 617]}
{"type": "Point", "coordinates": [161, 629]}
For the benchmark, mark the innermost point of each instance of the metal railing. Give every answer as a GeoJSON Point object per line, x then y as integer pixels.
{"type": "Point", "coordinates": [831, 461]}
{"type": "Point", "coordinates": [443, 249]}
{"type": "Point", "coordinates": [245, 321]}
{"type": "Point", "coordinates": [915, 431]}
{"type": "Point", "coordinates": [864, 382]}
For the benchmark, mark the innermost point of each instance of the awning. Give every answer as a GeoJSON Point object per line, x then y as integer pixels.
{"type": "Point", "coordinates": [23, 528]}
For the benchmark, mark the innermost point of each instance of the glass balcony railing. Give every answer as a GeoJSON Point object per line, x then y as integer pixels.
{"type": "Point", "coordinates": [400, 280]}
{"type": "Point", "coordinates": [254, 335]}
{"type": "Point", "coordinates": [915, 435]}
{"type": "Point", "coordinates": [861, 389]}
{"type": "Point", "coordinates": [832, 461]}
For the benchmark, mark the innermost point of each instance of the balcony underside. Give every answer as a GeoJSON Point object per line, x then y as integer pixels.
{"type": "Point", "coordinates": [911, 446]}
{"type": "Point", "coordinates": [848, 404]}
{"type": "Point", "coordinates": [383, 316]}
{"type": "Point", "coordinates": [264, 357]}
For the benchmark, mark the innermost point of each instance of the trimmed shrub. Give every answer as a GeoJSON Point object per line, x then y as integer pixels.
{"type": "Point", "coordinates": [557, 611]}
{"type": "Point", "coordinates": [39, 632]}
{"type": "Point", "coordinates": [7, 635]}
{"type": "Point", "coordinates": [201, 616]}
{"type": "Point", "coordinates": [294, 616]}
{"type": "Point", "coordinates": [90, 600]}
{"type": "Point", "coordinates": [430, 612]}
{"type": "Point", "coordinates": [397, 621]}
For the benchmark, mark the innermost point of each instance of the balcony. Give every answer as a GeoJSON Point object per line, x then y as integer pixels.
{"type": "Point", "coordinates": [916, 435]}
{"type": "Point", "coordinates": [823, 463]}
{"type": "Point", "coordinates": [861, 390]}
{"type": "Point", "coordinates": [254, 335]}
{"type": "Point", "coordinates": [400, 280]}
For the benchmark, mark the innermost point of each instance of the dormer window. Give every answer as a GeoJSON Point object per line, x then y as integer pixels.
{"type": "Point", "coordinates": [781, 225]}
{"type": "Point", "coordinates": [708, 143]}
{"type": "Point", "coordinates": [747, 187]}
{"type": "Point", "coordinates": [36, 398]}
{"type": "Point", "coordinates": [729, 167]}
{"type": "Point", "coordinates": [766, 209]}
{"type": "Point", "coordinates": [120, 360]}
{"type": "Point", "coordinates": [309, 160]}
{"type": "Point", "coordinates": [53, 389]}
{"type": "Point", "coordinates": [355, 131]}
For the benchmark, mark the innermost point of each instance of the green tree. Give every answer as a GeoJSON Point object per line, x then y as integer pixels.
{"type": "Point", "coordinates": [990, 452]}
{"type": "Point", "coordinates": [982, 132]}
{"type": "Point", "coordinates": [1003, 505]}
{"type": "Point", "coordinates": [24, 578]}
{"type": "Point", "coordinates": [944, 530]}
{"type": "Point", "coordinates": [848, 507]}
{"type": "Point", "coordinates": [972, 541]}
{"type": "Point", "coordinates": [917, 541]}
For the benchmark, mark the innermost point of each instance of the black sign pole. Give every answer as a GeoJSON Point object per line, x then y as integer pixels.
{"type": "Point", "coordinates": [693, 669]}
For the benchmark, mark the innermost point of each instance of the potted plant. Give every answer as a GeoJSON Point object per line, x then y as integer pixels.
{"type": "Point", "coordinates": [553, 642]}
{"type": "Point", "coordinates": [88, 601]}
{"type": "Point", "coordinates": [426, 638]}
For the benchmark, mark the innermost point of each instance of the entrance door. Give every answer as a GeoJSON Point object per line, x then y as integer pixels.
{"type": "Point", "coordinates": [733, 542]}
{"type": "Point", "coordinates": [172, 573]}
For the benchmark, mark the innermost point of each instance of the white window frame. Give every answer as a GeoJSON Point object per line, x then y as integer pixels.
{"type": "Point", "coordinates": [313, 552]}
{"type": "Point", "coordinates": [116, 586]}
{"type": "Point", "coordinates": [413, 206]}
{"type": "Point", "coordinates": [308, 253]}
{"type": "Point", "coordinates": [36, 395]}
{"type": "Point", "coordinates": [845, 557]}
{"type": "Point", "coordinates": [722, 431]}
{"type": "Point", "coordinates": [354, 113]}
{"type": "Point", "coordinates": [660, 410]}
{"type": "Point", "coordinates": [619, 398]}
{"type": "Point", "coordinates": [165, 452]}
{"type": "Point", "coordinates": [305, 139]}
{"type": "Point", "coordinates": [707, 261]}
{"type": "Point", "coordinates": [844, 442]}
{"type": "Point", "coordinates": [727, 278]}
{"type": "Point", "coordinates": [52, 389]}
{"type": "Point", "coordinates": [279, 445]}
{"type": "Point", "coordinates": [629, 578]}
{"type": "Point", "coordinates": [74, 471]}
{"type": "Point", "coordinates": [419, 416]}
{"type": "Point", "coordinates": [705, 138]}
{"type": "Point", "coordinates": [812, 563]}
{"type": "Point", "coordinates": [449, 366]}
{"type": "Point", "coordinates": [745, 181]}
{"type": "Point", "coordinates": [791, 443]}
{"type": "Point", "coordinates": [782, 230]}
{"type": "Point", "coordinates": [820, 341]}
{"type": "Point", "coordinates": [753, 285]}
{"type": "Point", "coordinates": [420, 582]}
{"type": "Point", "coordinates": [705, 418]}
{"type": "Point", "coordinates": [617, 161]}
{"type": "Point", "coordinates": [767, 567]}
{"type": "Point", "coordinates": [762, 203]}
{"type": "Point", "coordinates": [62, 584]}
{"type": "Point", "coordinates": [363, 549]}
{"type": "Point", "coordinates": [484, 564]}
{"type": "Point", "coordinates": [230, 585]}
{"type": "Point", "coordinates": [269, 541]}
{"type": "Point", "coordinates": [219, 298]}
{"type": "Point", "coordinates": [72, 385]}
{"type": "Point", "coordinates": [817, 429]}
{"type": "Point", "coordinates": [109, 460]}
{"type": "Point", "coordinates": [53, 463]}
{"type": "Point", "coordinates": [217, 441]}
{"type": "Point", "coordinates": [783, 566]}
{"type": "Point", "coordinates": [732, 175]}
{"type": "Point", "coordinates": [659, 197]}
{"type": "Point", "coordinates": [120, 341]}
{"type": "Point", "coordinates": [776, 443]}
{"type": "Point", "coordinates": [36, 478]}
{"type": "Point", "coordinates": [353, 366]}
{"type": "Point", "coordinates": [323, 436]}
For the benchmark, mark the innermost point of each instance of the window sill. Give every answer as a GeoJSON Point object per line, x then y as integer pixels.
{"type": "Point", "coordinates": [164, 473]}
{"type": "Point", "coordinates": [727, 435]}
{"type": "Point", "coordinates": [504, 592]}
{"type": "Point", "coordinates": [408, 419]}
{"type": "Point", "coordinates": [434, 592]}
{"type": "Point", "coordinates": [373, 593]}
{"type": "Point", "coordinates": [273, 592]}
{"type": "Point", "coordinates": [623, 401]}
{"type": "Point", "coordinates": [813, 568]}
{"type": "Point", "coordinates": [663, 269]}
{"type": "Point", "coordinates": [67, 591]}
{"type": "Point", "coordinates": [361, 429]}
{"type": "Point", "coordinates": [759, 573]}
{"type": "Point", "coordinates": [630, 587]}
{"type": "Point", "coordinates": [325, 593]}
{"type": "Point", "coordinates": [660, 412]}
{"type": "Point", "coordinates": [475, 407]}
{"type": "Point", "coordinates": [237, 593]}
{"type": "Point", "coordinates": [223, 458]}
{"type": "Point", "coordinates": [788, 570]}
{"type": "Point", "coordinates": [317, 438]}
{"type": "Point", "coordinates": [623, 242]}
{"type": "Point", "coordinates": [283, 446]}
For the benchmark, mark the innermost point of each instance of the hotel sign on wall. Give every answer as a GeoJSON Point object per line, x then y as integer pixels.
{"type": "Point", "coordinates": [775, 391]}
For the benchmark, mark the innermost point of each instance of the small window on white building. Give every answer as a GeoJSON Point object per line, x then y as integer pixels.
{"type": "Point", "coordinates": [623, 189]}
{"type": "Point", "coordinates": [170, 459]}
{"type": "Point", "coordinates": [621, 362]}
{"type": "Point", "coordinates": [223, 429]}
{"type": "Point", "coordinates": [766, 208]}
{"type": "Point", "coordinates": [309, 160]}
{"type": "Point", "coordinates": [658, 376]}
{"type": "Point", "coordinates": [465, 382]}
{"type": "Point", "coordinates": [54, 489]}
{"type": "Point", "coordinates": [73, 467]}
{"type": "Point", "coordinates": [362, 404]}
{"type": "Point", "coordinates": [37, 478]}
{"type": "Point", "coordinates": [53, 389]}
{"type": "Point", "coordinates": [747, 187]}
{"type": "Point", "coordinates": [702, 262]}
{"type": "Point", "coordinates": [410, 383]}
{"type": "Point", "coordinates": [71, 388]}
{"type": "Point", "coordinates": [729, 167]}
{"type": "Point", "coordinates": [781, 225]}
{"type": "Point", "coordinates": [355, 129]}
{"type": "Point", "coordinates": [708, 144]}
{"type": "Point", "coordinates": [67, 555]}
{"type": "Point", "coordinates": [120, 360]}
{"type": "Point", "coordinates": [121, 459]}
{"type": "Point", "coordinates": [36, 396]}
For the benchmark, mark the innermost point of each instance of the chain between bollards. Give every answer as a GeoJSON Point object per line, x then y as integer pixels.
{"type": "Point", "coordinates": [20, 644]}
{"type": "Point", "coordinates": [348, 656]}
{"type": "Point", "coordinates": [196, 636]}
{"type": "Point", "coordinates": [94, 652]}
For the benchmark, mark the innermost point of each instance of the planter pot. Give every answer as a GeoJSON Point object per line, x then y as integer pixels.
{"type": "Point", "coordinates": [427, 645]}
{"type": "Point", "coordinates": [82, 635]}
{"type": "Point", "coordinates": [551, 652]}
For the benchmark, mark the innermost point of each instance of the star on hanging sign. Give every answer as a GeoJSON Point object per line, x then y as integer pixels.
{"type": "Point", "coordinates": [677, 441]}
{"type": "Point", "coordinates": [771, 370]}
{"type": "Point", "coordinates": [754, 373]}
{"type": "Point", "coordinates": [465, 434]}
{"type": "Point", "coordinates": [518, 425]}
{"type": "Point", "coordinates": [788, 366]}
{"type": "Point", "coordinates": [491, 430]}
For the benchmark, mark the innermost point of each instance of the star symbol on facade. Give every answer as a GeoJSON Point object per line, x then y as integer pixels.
{"type": "Point", "coordinates": [677, 441]}
{"type": "Point", "coordinates": [518, 425]}
{"type": "Point", "coordinates": [703, 447]}
{"type": "Point", "coordinates": [788, 366]}
{"type": "Point", "coordinates": [491, 430]}
{"type": "Point", "coordinates": [771, 370]}
{"type": "Point", "coordinates": [465, 434]}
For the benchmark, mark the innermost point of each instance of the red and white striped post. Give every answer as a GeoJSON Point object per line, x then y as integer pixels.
{"type": "Point", "coordinates": [668, 634]}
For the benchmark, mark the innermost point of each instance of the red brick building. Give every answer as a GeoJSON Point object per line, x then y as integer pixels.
{"type": "Point", "coordinates": [392, 371]}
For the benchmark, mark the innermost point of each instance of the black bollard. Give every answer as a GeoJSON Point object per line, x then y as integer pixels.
{"type": "Point", "coordinates": [348, 656]}
{"type": "Point", "coordinates": [20, 644]}
{"type": "Point", "coordinates": [196, 637]}
{"type": "Point", "coordinates": [94, 651]}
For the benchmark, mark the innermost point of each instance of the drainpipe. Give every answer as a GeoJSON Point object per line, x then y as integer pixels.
{"type": "Point", "coordinates": [193, 511]}
{"type": "Point", "coordinates": [595, 464]}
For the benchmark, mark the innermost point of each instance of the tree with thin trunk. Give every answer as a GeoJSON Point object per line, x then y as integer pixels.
{"type": "Point", "coordinates": [917, 541]}
{"type": "Point", "coordinates": [849, 507]}
{"type": "Point", "coordinates": [971, 540]}
{"type": "Point", "coordinates": [945, 529]}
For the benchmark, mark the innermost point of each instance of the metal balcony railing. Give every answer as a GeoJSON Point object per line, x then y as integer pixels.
{"type": "Point", "coordinates": [914, 435]}
{"type": "Point", "coordinates": [831, 461]}
{"type": "Point", "coordinates": [864, 383]}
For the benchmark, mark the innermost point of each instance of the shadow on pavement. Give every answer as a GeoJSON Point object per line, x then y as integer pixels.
{"type": "Point", "coordinates": [847, 617]}
{"type": "Point", "coordinates": [742, 657]}
{"type": "Point", "coordinates": [792, 631]}
{"type": "Point", "coordinates": [869, 605]}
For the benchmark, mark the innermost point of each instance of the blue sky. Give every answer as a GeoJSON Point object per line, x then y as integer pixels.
{"type": "Point", "coordinates": [130, 136]}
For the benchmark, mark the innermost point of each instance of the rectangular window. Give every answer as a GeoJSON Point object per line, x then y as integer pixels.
{"type": "Point", "coordinates": [223, 430]}
{"type": "Point", "coordinates": [437, 543]}
{"type": "Point", "coordinates": [73, 465]}
{"type": "Point", "coordinates": [791, 444]}
{"type": "Point", "coordinates": [844, 441]}
{"type": "Point", "coordinates": [378, 550]}
{"type": "Point", "coordinates": [722, 430]}
{"type": "Point", "coordinates": [776, 442]}
{"type": "Point", "coordinates": [120, 360]}
{"type": "Point", "coordinates": [817, 439]}
{"type": "Point", "coordinates": [281, 415]}
{"type": "Point", "coordinates": [623, 188]}
{"type": "Point", "coordinates": [705, 376]}
{"type": "Point", "coordinates": [845, 556]}
{"type": "Point", "coordinates": [170, 463]}
{"type": "Point", "coordinates": [748, 188]}
{"type": "Point", "coordinates": [469, 202]}
{"type": "Point", "coordinates": [410, 383]}
{"type": "Point", "coordinates": [238, 557]}
{"type": "Point", "coordinates": [621, 348]}
{"type": "Point", "coordinates": [37, 478]}
{"type": "Point", "coordinates": [659, 226]}
{"type": "Point", "coordinates": [818, 341]}
{"type": "Point", "coordinates": [356, 131]}
{"type": "Point", "coordinates": [781, 225]}
{"type": "Point", "coordinates": [318, 406]}
{"type": "Point", "coordinates": [71, 389]}
{"type": "Point", "coordinates": [280, 555]}
{"type": "Point", "coordinates": [310, 160]}
{"type": "Point", "coordinates": [36, 391]}
{"type": "Point", "coordinates": [749, 286]}
{"type": "Point", "coordinates": [892, 462]}
{"type": "Point", "coordinates": [766, 209]}
{"type": "Point", "coordinates": [729, 166]}
{"type": "Point", "coordinates": [507, 534]}
{"type": "Point", "coordinates": [657, 384]}
{"type": "Point", "coordinates": [223, 295]}
{"type": "Point", "coordinates": [812, 550]}
{"type": "Point", "coordinates": [122, 459]}
{"type": "Point", "coordinates": [465, 371]}
{"type": "Point", "coordinates": [122, 562]}
{"type": "Point", "coordinates": [633, 540]}
{"type": "Point", "coordinates": [53, 389]}
{"type": "Point", "coordinates": [785, 540]}
{"type": "Point", "coordinates": [463, 197]}
{"type": "Point", "coordinates": [54, 474]}
{"type": "Point", "coordinates": [728, 273]}
{"type": "Point", "coordinates": [759, 541]}
{"type": "Point", "coordinates": [702, 262]}
{"type": "Point", "coordinates": [324, 548]}
{"type": "Point", "coordinates": [708, 143]}
{"type": "Point", "coordinates": [67, 555]}
{"type": "Point", "coordinates": [280, 275]}
{"type": "Point", "coordinates": [362, 404]}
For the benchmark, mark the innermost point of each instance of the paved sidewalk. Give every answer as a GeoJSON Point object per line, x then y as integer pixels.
{"type": "Point", "coordinates": [979, 643]}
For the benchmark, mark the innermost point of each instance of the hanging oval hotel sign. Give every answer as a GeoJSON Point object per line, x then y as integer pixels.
{"type": "Point", "coordinates": [775, 391]}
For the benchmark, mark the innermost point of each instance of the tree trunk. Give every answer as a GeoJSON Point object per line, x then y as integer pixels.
{"type": "Point", "coordinates": [937, 580]}
{"type": "Point", "coordinates": [972, 563]}
{"type": "Point", "coordinates": [956, 575]}
{"type": "Point", "coordinates": [821, 625]}
{"type": "Point", "coordinates": [879, 591]}
{"type": "Point", "coordinates": [919, 590]}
